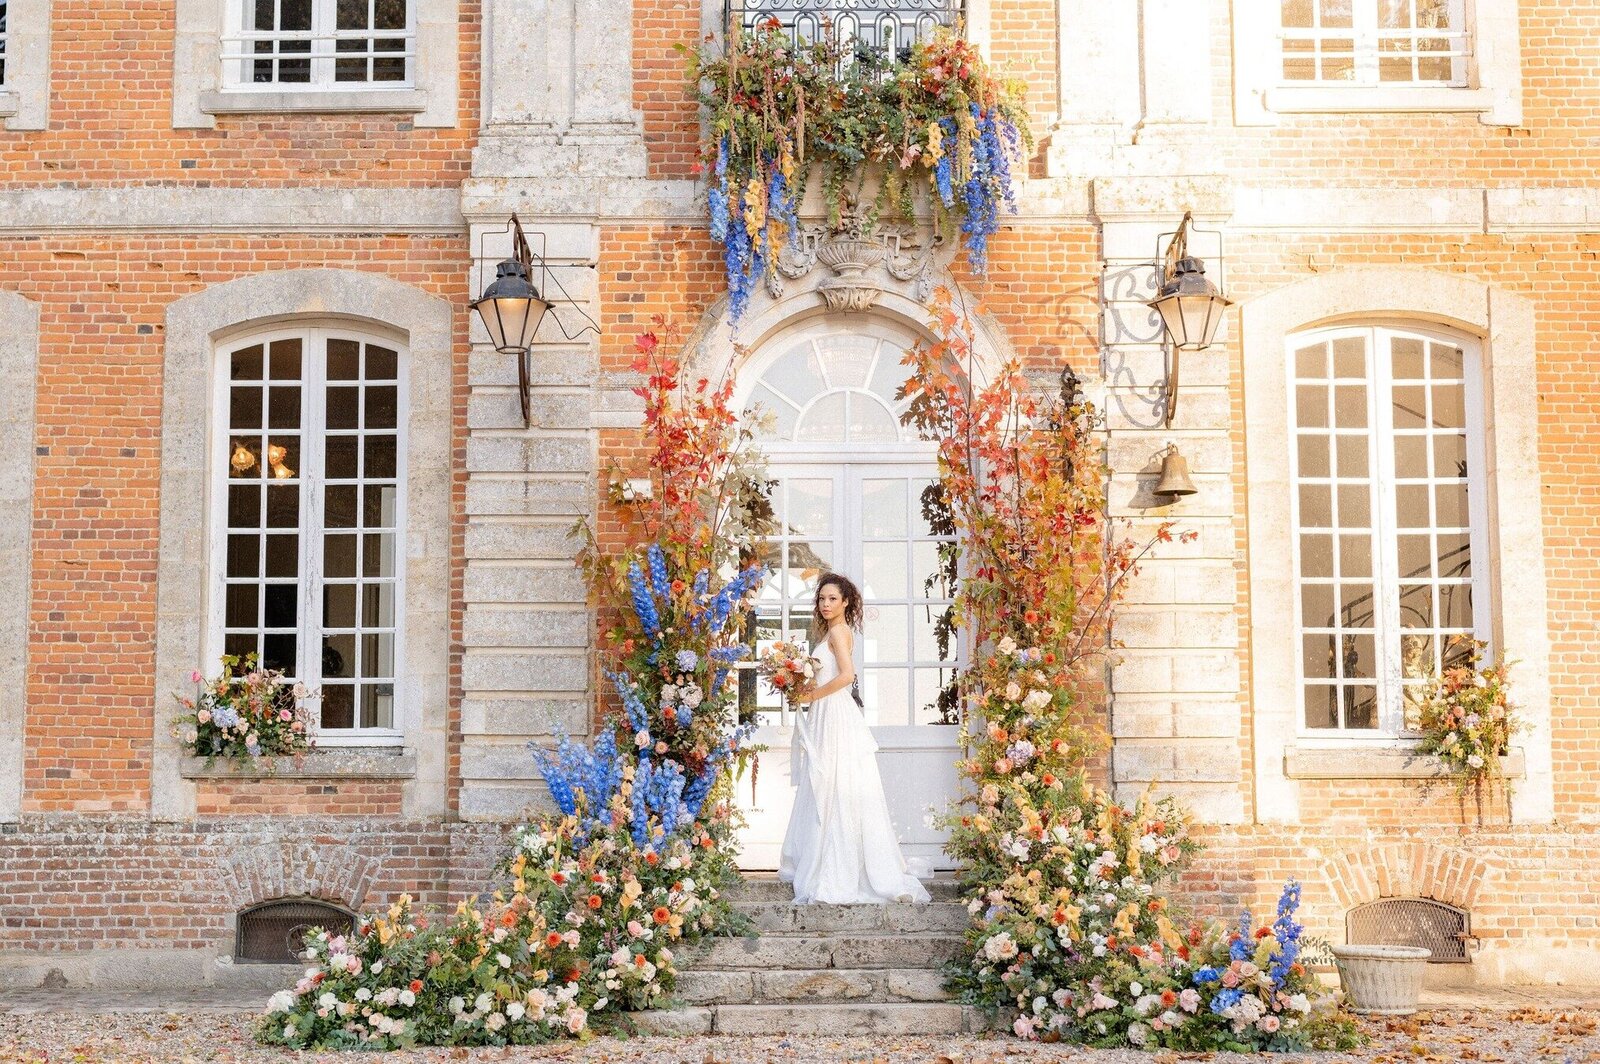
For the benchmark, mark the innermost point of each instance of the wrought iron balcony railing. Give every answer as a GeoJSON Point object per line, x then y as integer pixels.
{"type": "Point", "coordinates": [889, 25]}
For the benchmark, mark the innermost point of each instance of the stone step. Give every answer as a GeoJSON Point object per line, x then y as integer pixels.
{"type": "Point", "coordinates": [811, 952]}
{"type": "Point", "coordinates": [833, 1020]}
{"type": "Point", "coordinates": [785, 986]}
{"type": "Point", "coordinates": [778, 918]}
{"type": "Point", "coordinates": [767, 888]}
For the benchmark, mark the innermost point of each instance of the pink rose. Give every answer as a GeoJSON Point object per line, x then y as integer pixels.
{"type": "Point", "coordinates": [195, 677]}
{"type": "Point", "coordinates": [576, 1018]}
{"type": "Point", "coordinates": [285, 715]}
{"type": "Point", "coordinates": [635, 929]}
{"type": "Point", "coordinates": [1023, 1028]}
{"type": "Point", "coordinates": [1230, 978]}
{"type": "Point", "coordinates": [203, 716]}
{"type": "Point", "coordinates": [1270, 1023]}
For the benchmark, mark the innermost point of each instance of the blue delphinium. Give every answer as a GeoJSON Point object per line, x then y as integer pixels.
{"type": "Point", "coordinates": [638, 716]}
{"type": "Point", "coordinates": [1240, 949]}
{"type": "Point", "coordinates": [658, 572]}
{"type": "Point", "coordinates": [581, 778]}
{"type": "Point", "coordinates": [643, 603]}
{"type": "Point", "coordinates": [1287, 932]}
{"type": "Point", "coordinates": [717, 197]}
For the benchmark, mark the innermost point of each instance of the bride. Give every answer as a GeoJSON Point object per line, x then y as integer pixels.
{"type": "Point", "coordinates": [840, 846]}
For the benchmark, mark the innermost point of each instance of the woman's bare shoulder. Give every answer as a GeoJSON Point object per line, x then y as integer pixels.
{"type": "Point", "coordinates": [842, 639]}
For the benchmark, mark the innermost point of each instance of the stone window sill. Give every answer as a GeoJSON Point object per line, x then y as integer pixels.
{"type": "Point", "coordinates": [354, 101]}
{"type": "Point", "coordinates": [1335, 99]}
{"type": "Point", "coordinates": [367, 764]}
{"type": "Point", "coordinates": [1353, 762]}
{"type": "Point", "coordinates": [8, 104]}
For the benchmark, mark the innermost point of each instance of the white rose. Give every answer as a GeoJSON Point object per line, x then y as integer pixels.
{"type": "Point", "coordinates": [1007, 645]}
{"type": "Point", "coordinates": [327, 1000]}
{"type": "Point", "coordinates": [1013, 691]}
{"type": "Point", "coordinates": [457, 1005]}
{"type": "Point", "coordinates": [515, 1011]}
{"type": "Point", "coordinates": [484, 1002]}
{"type": "Point", "coordinates": [504, 961]}
{"type": "Point", "coordinates": [282, 1001]}
{"type": "Point", "coordinates": [407, 998]}
{"type": "Point", "coordinates": [363, 994]}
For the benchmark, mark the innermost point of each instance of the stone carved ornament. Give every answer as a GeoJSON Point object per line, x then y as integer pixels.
{"type": "Point", "coordinates": [853, 253]}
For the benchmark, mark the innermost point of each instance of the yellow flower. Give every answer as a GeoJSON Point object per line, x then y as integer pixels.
{"type": "Point", "coordinates": [935, 143]}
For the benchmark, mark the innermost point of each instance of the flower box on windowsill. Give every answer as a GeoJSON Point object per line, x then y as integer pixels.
{"type": "Point", "coordinates": [371, 764]}
{"type": "Point", "coordinates": [1377, 763]}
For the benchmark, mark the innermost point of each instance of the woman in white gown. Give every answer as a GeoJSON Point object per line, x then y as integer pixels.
{"type": "Point", "coordinates": [840, 846]}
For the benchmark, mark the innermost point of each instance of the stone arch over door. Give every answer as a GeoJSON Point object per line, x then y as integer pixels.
{"type": "Point", "coordinates": [19, 371]}
{"type": "Point", "coordinates": [1504, 323]}
{"type": "Point", "coordinates": [194, 323]}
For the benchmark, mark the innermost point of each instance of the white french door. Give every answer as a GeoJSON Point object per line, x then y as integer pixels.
{"type": "Point", "coordinates": [863, 519]}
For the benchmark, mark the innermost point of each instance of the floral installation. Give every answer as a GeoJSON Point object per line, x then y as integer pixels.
{"type": "Point", "coordinates": [637, 858]}
{"type": "Point", "coordinates": [787, 667]}
{"type": "Point", "coordinates": [246, 712]}
{"type": "Point", "coordinates": [1071, 928]}
{"type": "Point", "coordinates": [941, 127]}
{"type": "Point", "coordinates": [585, 929]}
{"type": "Point", "coordinates": [1466, 719]}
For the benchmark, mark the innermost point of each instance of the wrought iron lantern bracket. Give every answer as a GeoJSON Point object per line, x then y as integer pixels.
{"type": "Point", "coordinates": [512, 307]}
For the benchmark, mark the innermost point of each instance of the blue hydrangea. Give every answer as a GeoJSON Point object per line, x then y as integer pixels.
{"type": "Point", "coordinates": [1226, 999]}
{"type": "Point", "coordinates": [687, 661]}
{"type": "Point", "coordinates": [1205, 975]}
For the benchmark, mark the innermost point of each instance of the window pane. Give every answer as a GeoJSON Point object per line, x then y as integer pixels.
{"type": "Point", "coordinates": [1410, 362]}
{"type": "Point", "coordinates": [377, 705]}
{"type": "Point", "coordinates": [382, 363]}
{"type": "Point", "coordinates": [344, 359]}
{"type": "Point", "coordinates": [244, 556]}
{"type": "Point", "coordinates": [242, 606]}
{"type": "Point", "coordinates": [1455, 554]}
{"type": "Point", "coordinates": [344, 408]}
{"type": "Point", "coordinates": [244, 506]}
{"type": "Point", "coordinates": [1350, 406]}
{"type": "Point", "coordinates": [1316, 605]}
{"type": "Point", "coordinates": [1355, 509]}
{"type": "Point", "coordinates": [341, 457]}
{"type": "Point", "coordinates": [283, 407]}
{"type": "Point", "coordinates": [382, 406]}
{"type": "Point", "coordinates": [1297, 13]}
{"type": "Point", "coordinates": [339, 655]}
{"type": "Point", "coordinates": [1449, 455]}
{"type": "Point", "coordinates": [245, 364]}
{"type": "Point", "coordinates": [1411, 506]}
{"type": "Point", "coordinates": [1316, 506]}
{"type": "Point", "coordinates": [1313, 453]}
{"type": "Point", "coordinates": [1455, 606]}
{"type": "Point", "coordinates": [1355, 556]}
{"type": "Point", "coordinates": [1320, 656]}
{"type": "Point", "coordinates": [1355, 605]}
{"type": "Point", "coordinates": [1359, 659]}
{"type": "Point", "coordinates": [339, 506]}
{"type": "Point", "coordinates": [1450, 504]}
{"type": "Point", "coordinates": [377, 555]}
{"type": "Point", "coordinates": [1410, 406]}
{"type": "Point", "coordinates": [378, 509]}
{"type": "Point", "coordinates": [1350, 358]}
{"type": "Point", "coordinates": [1316, 555]}
{"type": "Point", "coordinates": [286, 360]}
{"type": "Point", "coordinates": [283, 506]}
{"type": "Point", "coordinates": [810, 507]}
{"type": "Point", "coordinates": [1311, 406]}
{"type": "Point", "coordinates": [1360, 707]}
{"type": "Point", "coordinates": [338, 706]}
{"type": "Point", "coordinates": [1352, 457]}
{"type": "Point", "coordinates": [377, 605]}
{"type": "Point", "coordinates": [883, 572]}
{"type": "Point", "coordinates": [339, 605]}
{"type": "Point", "coordinates": [245, 408]}
{"type": "Point", "coordinates": [278, 651]}
{"type": "Point", "coordinates": [1411, 456]}
{"type": "Point", "coordinates": [1416, 605]}
{"type": "Point", "coordinates": [282, 606]}
{"type": "Point", "coordinates": [883, 507]}
{"type": "Point", "coordinates": [1415, 555]}
{"type": "Point", "coordinates": [1322, 706]}
{"type": "Point", "coordinates": [381, 455]}
{"type": "Point", "coordinates": [339, 556]}
{"type": "Point", "coordinates": [283, 555]}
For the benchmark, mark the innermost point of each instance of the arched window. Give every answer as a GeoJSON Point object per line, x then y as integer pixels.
{"type": "Point", "coordinates": [1390, 518]}
{"type": "Point", "coordinates": [850, 496]}
{"type": "Point", "coordinates": [309, 516]}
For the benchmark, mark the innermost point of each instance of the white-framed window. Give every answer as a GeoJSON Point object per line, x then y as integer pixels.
{"type": "Point", "coordinates": [1361, 56]}
{"type": "Point", "coordinates": [1390, 518]}
{"type": "Point", "coordinates": [330, 45]}
{"type": "Point", "coordinates": [309, 518]}
{"type": "Point", "coordinates": [3, 13]}
{"type": "Point", "coordinates": [1375, 42]}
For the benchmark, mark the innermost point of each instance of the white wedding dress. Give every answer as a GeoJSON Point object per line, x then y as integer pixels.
{"type": "Point", "coordinates": [840, 847]}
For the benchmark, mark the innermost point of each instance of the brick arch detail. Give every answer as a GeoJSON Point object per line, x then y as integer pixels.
{"type": "Point", "coordinates": [1406, 869]}
{"type": "Point", "coordinates": [299, 868]}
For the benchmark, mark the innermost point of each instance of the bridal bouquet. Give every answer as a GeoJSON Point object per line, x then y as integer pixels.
{"type": "Point", "coordinates": [787, 668]}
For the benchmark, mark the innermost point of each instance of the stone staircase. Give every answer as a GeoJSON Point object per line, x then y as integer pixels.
{"type": "Point", "coordinates": [834, 970]}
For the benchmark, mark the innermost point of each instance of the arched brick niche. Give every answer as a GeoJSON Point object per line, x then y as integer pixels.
{"type": "Point", "coordinates": [1405, 870]}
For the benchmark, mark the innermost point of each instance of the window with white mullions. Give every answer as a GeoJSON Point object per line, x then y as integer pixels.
{"type": "Point", "coordinates": [311, 516]}
{"type": "Point", "coordinates": [309, 44]}
{"type": "Point", "coordinates": [1388, 506]}
{"type": "Point", "coordinates": [1375, 42]}
{"type": "Point", "coordinates": [2, 43]}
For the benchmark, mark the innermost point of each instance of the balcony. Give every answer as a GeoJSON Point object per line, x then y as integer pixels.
{"type": "Point", "coordinates": [888, 25]}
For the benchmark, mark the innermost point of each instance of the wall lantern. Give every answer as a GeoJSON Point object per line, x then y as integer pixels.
{"type": "Point", "coordinates": [512, 309]}
{"type": "Point", "coordinates": [1191, 308]}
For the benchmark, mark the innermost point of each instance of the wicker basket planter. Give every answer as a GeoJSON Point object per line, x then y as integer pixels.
{"type": "Point", "coordinates": [1381, 980]}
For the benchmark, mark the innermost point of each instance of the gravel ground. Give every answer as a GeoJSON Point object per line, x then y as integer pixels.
{"type": "Point", "coordinates": [1523, 1035]}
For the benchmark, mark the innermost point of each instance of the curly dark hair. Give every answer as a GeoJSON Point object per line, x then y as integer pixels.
{"type": "Point", "coordinates": [852, 603]}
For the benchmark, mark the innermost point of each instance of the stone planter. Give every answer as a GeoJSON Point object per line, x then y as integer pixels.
{"type": "Point", "coordinates": [1381, 980]}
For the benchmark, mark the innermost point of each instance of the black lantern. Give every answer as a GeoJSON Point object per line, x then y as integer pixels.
{"type": "Point", "coordinates": [511, 308]}
{"type": "Point", "coordinates": [1189, 304]}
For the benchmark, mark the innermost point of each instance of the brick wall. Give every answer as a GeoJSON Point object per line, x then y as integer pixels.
{"type": "Point", "coordinates": [102, 301]}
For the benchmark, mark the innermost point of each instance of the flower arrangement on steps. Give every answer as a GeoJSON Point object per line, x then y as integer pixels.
{"type": "Point", "coordinates": [942, 130]}
{"type": "Point", "coordinates": [1064, 883]}
{"type": "Point", "coordinates": [597, 897]}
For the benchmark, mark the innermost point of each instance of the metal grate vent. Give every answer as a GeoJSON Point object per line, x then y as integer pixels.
{"type": "Point", "coordinates": [274, 932]}
{"type": "Point", "coordinates": [1435, 926]}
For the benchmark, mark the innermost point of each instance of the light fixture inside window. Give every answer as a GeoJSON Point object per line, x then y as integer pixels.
{"type": "Point", "coordinates": [275, 458]}
{"type": "Point", "coordinates": [243, 460]}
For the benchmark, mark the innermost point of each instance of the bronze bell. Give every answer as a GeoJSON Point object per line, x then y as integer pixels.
{"type": "Point", "coordinates": [1174, 481]}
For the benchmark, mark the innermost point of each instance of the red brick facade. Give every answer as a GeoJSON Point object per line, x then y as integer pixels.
{"type": "Point", "coordinates": [116, 216]}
